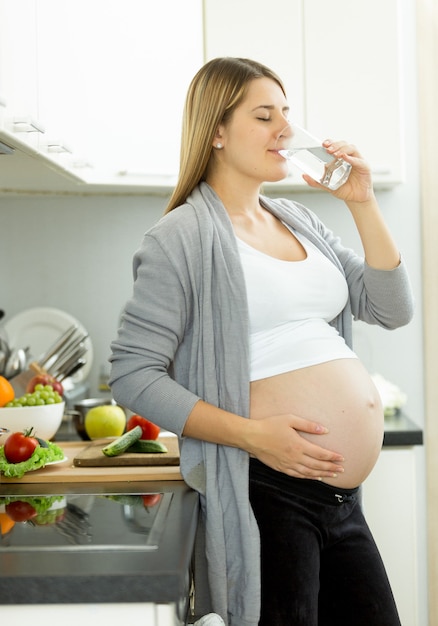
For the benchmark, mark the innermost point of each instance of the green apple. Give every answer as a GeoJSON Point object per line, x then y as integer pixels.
{"type": "Point", "coordinates": [107, 420]}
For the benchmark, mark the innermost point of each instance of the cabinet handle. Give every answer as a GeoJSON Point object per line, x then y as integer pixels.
{"type": "Point", "coordinates": [27, 125]}
{"type": "Point", "coordinates": [57, 146]}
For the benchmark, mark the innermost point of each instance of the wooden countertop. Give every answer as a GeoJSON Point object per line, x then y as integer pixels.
{"type": "Point", "coordinates": [66, 472]}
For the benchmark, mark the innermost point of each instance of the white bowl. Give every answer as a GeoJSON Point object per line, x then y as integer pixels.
{"type": "Point", "coordinates": [45, 420]}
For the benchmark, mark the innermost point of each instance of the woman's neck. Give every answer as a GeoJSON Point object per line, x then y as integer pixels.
{"type": "Point", "coordinates": [239, 199]}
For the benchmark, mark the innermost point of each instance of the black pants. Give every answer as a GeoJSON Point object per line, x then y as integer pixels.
{"type": "Point", "coordinates": [320, 564]}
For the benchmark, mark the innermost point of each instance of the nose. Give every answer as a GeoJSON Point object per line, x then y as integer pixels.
{"type": "Point", "coordinates": [285, 132]}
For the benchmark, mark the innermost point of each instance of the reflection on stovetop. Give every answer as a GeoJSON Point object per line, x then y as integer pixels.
{"type": "Point", "coordinates": [84, 522]}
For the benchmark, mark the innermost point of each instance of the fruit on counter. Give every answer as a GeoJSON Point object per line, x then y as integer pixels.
{"type": "Point", "coordinates": [124, 442]}
{"type": "Point", "coordinates": [7, 393]}
{"type": "Point", "coordinates": [19, 447]}
{"type": "Point", "coordinates": [107, 420]}
{"type": "Point", "coordinates": [44, 379]}
{"type": "Point", "coordinates": [43, 394]}
{"type": "Point", "coordinates": [149, 429]}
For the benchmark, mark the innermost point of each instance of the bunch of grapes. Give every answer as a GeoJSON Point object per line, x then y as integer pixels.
{"type": "Point", "coordinates": [43, 394]}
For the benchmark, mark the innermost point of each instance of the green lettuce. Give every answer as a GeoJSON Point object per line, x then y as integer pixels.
{"type": "Point", "coordinates": [39, 458]}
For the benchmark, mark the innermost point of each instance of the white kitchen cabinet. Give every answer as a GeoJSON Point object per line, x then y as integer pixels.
{"type": "Point", "coordinates": [108, 81]}
{"type": "Point", "coordinates": [273, 37]}
{"type": "Point", "coordinates": [42, 614]}
{"type": "Point", "coordinates": [352, 54]}
{"type": "Point", "coordinates": [340, 61]}
{"type": "Point", "coordinates": [18, 58]}
{"type": "Point", "coordinates": [19, 70]}
{"type": "Point", "coordinates": [119, 71]}
{"type": "Point", "coordinates": [390, 506]}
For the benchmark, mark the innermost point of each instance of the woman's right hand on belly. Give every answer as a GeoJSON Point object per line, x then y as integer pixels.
{"type": "Point", "coordinates": [276, 441]}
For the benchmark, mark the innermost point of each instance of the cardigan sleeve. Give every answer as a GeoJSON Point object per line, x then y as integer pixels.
{"type": "Point", "coordinates": [152, 328]}
{"type": "Point", "coordinates": [380, 297]}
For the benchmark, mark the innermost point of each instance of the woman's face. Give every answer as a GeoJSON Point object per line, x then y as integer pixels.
{"type": "Point", "coordinates": [252, 137]}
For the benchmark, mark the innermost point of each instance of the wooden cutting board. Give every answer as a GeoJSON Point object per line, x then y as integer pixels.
{"type": "Point", "coordinates": [92, 456]}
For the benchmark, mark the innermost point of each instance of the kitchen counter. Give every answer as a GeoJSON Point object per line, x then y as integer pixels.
{"type": "Point", "coordinates": [400, 430]}
{"type": "Point", "coordinates": [125, 534]}
{"type": "Point", "coordinates": [151, 569]}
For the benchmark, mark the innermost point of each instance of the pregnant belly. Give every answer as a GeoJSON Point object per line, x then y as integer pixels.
{"type": "Point", "coordinates": [338, 394]}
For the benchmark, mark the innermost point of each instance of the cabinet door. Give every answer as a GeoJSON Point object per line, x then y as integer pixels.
{"type": "Point", "coordinates": [18, 68]}
{"type": "Point", "coordinates": [113, 76]}
{"type": "Point", "coordinates": [352, 69]}
{"type": "Point", "coordinates": [270, 34]}
{"type": "Point", "coordinates": [389, 501]}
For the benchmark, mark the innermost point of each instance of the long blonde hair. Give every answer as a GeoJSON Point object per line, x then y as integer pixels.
{"type": "Point", "coordinates": [215, 91]}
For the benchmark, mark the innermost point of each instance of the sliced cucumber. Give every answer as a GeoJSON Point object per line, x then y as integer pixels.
{"type": "Point", "coordinates": [120, 445]}
{"type": "Point", "coordinates": [147, 446]}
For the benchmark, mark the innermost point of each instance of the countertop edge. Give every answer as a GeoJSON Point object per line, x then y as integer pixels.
{"type": "Point", "coordinates": [400, 430]}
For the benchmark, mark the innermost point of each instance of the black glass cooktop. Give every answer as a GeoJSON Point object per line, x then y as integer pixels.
{"type": "Point", "coordinates": [83, 522]}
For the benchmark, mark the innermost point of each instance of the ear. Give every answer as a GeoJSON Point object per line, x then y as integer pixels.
{"type": "Point", "coordinates": [217, 141]}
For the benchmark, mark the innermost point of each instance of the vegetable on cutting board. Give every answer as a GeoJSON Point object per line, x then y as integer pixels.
{"type": "Point", "coordinates": [131, 442]}
{"type": "Point", "coordinates": [149, 429]}
{"type": "Point", "coordinates": [147, 446]}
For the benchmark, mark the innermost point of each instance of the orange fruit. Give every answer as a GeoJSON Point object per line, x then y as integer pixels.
{"type": "Point", "coordinates": [6, 523]}
{"type": "Point", "coordinates": [7, 393]}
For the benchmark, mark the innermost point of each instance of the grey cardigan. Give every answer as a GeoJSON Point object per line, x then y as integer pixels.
{"type": "Point", "coordinates": [184, 336]}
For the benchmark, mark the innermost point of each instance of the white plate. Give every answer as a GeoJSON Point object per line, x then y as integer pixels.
{"type": "Point", "coordinates": [35, 469]}
{"type": "Point", "coordinates": [55, 462]}
{"type": "Point", "coordinates": [39, 328]}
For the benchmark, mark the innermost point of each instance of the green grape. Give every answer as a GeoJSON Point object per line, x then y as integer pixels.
{"type": "Point", "coordinates": [42, 394]}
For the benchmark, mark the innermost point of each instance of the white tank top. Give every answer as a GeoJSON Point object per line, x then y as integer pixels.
{"type": "Point", "coordinates": [290, 306]}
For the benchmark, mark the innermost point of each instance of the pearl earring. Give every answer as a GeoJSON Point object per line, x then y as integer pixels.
{"type": "Point", "coordinates": [219, 146]}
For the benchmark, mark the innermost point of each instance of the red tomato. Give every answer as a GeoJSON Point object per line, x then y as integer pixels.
{"type": "Point", "coordinates": [20, 511]}
{"type": "Point", "coordinates": [20, 447]}
{"type": "Point", "coordinates": [151, 499]}
{"type": "Point", "coordinates": [150, 430]}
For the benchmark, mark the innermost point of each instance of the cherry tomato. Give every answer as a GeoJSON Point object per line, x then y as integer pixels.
{"type": "Point", "coordinates": [20, 446]}
{"type": "Point", "coordinates": [20, 511]}
{"type": "Point", "coordinates": [150, 430]}
{"type": "Point", "coordinates": [151, 499]}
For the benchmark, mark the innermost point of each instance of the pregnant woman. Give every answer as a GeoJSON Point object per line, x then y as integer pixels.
{"type": "Point", "coordinates": [238, 338]}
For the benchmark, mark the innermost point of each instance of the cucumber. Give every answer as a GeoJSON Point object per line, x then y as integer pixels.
{"type": "Point", "coordinates": [120, 445]}
{"type": "Point", "coordinates": [147, 446]}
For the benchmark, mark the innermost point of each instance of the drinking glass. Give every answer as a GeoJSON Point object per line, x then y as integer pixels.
{"type": "Point", "coordinates": [310, 156]}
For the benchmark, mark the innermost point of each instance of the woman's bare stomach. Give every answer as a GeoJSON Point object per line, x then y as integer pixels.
{"type": "Point", "coordinates": [341, 396]}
